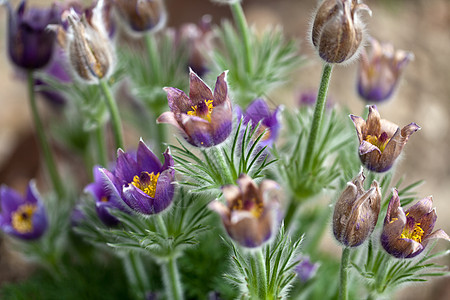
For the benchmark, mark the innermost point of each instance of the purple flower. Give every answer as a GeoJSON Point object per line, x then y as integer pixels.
{"type": "Point", "coordinates": [249, 215]}
{"type": "Point", "coordinates": [309, 98]}
{"type": "Point", "coordinates": [203, 119]}
{"type": "Point", "coordinates": [21, 217]}
{"type": "Point", "coordinates": [104, 199]}
{"type": "Point", "coordinates": [380, 70]}
{"type": "Point", "coordinates": [141, 181]}
{"type": "Point", "coordinates": [30, 43]}
{"type": "Point", "coordinates": [306, 269]}
{"type": "Point", "coordinates": [407, 233]}
{"type": "Point", "coordinates": [258, 111]}
{"type": "Point", "coordinates": [380, 141]}
{"type": "Point", "coordinates": [142, 16]}
{"type": "Point", "coordinates": [356, 212]}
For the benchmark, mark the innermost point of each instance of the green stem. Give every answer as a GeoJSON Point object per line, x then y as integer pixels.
{"type": "Point", "coordinates": [171, 278]}
{"type": "Point", "coordinates": [102, 156]}
{"type": "Point", "coordinates": [114, 112]}
{"type": "Point", "coordinates": [262, 280]}
{"type": "Point", "coordinates": [161, 226]}
{"type": "Point", "coordinates": [42, 140]}
{"type": "Point", "coordinates": [318, 114]}
{"type": "Point", "coordinates": [136, 275]}
{"type": "Point", "coordinates": [223, 166]}
{"type": "Point", "coordinates": [344, 273]}
{"type": "Point", "coordinates": [152, 53]}
{"type": "Point", "coordinates": [241, 22]}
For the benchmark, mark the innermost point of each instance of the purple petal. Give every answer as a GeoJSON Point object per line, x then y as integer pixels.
{"type": "Point", "coordinates": [258, 110]}
{"type": "Point", "coordinates": [137, 200]}
{"type": "Point", "coordinates": [178, 101]}
{"type": "Point", "coordinates": [164, 191]}
{"type": "Point", "coordinates": [420, 209]}
{"type": "Point", "coordinates": [103, 213]}
{"type": "Point", "coordinates": [168, 160]}
{"type": "Point", "coordinates": [10, 201]}
{"type": "Point", "coordinates": [198, 90]}
{"type": "Point", "coordinates": [147, 160]}
{"type": "Point", "coordinates": [126, 167]}
{"type": "Point", "coordinates": [221, 89]}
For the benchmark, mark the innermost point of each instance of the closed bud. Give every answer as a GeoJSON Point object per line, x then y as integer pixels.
{"type": "Point", "coordinates": [142, 15]}
{"type": "Point", "coordinates": [337, 30]}
{"type": "Point", "coordinates": [356, 212]}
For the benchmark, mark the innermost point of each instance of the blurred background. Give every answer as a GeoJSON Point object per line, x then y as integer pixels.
{"type": "Point", "coordinates": [419, 26]}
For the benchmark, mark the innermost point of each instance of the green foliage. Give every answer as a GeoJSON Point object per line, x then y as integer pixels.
{"type": "Point", "coordinates": [280, 258]}
{"type": "Point", "coordinates": [221, 165]}
{"type": "Point", "coordinates": [273, 57]}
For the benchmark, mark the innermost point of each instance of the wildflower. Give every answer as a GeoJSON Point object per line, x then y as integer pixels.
{"type": "Point", "coordinates": [337, 30]}
{"type": "Point", "coordinates": [380, 70]}
{"type": "Point", "coordinates": [258, 111]}
{"type": "Point", "coordinates": [142, 15]}
{"type": "Point", "coordinates": [306, 269]}
{"type": "Point", "coordinates": [22, 217]}
{"type": "Point", "coordinates": [30, 43]}
{"type": "Point", "coordinates": [250, 214]}
{"type": "Point", "coordinates": [407, 233]}
{"type": "Point", "coordinates": [309, 98]}
{"type": "Point", "coordinates": [203, 119]}
{"type": "Point", "coordinates": [356, 212]}
{"type": "Point", "coordinates": [104, 199]}
{"type": "Point", "coordinates": [141, 181]}
{"type": "Point", "coordinates": [87, 43]}
{"type": "Point", "coordinates": [380, 141]}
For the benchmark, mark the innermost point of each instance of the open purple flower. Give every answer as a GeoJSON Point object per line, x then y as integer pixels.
{"type": "Point", "coordinates": [203, 118]}
{"type": "Point", "coordinates": [407, 233]}
{"type": "Point", "coordinates": [380, 141]}
{"type": "Point", "coordinates": [258, 111]}
{"type": "Point", "coordinates": [30, 43]}
{"type": "Point", "coordinates": [104, 199]}
{"type": "Point", "coordinates": [22, 217]}
{"type": "Point", "coordinates": [250, 213]}
{"type": "Point", "coordinates": [380, 70]}
{"type": "Point", "coordinates": [141, 181]}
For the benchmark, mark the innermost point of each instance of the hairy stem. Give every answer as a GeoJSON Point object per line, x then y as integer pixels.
{"type": "Point", "coordinates": [241, 22]}
{"type": "Point", "coordinates": [102, 156]}
{"type": "Point", "coordinates": [114, 112]}
{"type": "Point", "coordinates": [42, 140]}
{"type": "Point", "coordinates": [136, 274]}
{"type": "Point", "coordinates": [262, 280]}
{"type": "Point", "coordinates": [345, 259]}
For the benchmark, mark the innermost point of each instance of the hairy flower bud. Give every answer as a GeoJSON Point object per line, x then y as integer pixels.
{"type": "Point", "coordinates": [142, 15]}
{"type": "Point", "coordinates": [337, 31]}
{"type": "Point", "coordinates": [356, 212]}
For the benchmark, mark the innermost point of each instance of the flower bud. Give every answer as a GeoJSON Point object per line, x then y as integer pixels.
{"type": "Point", "coordinates": [142, 15]}
{"type": "Point", "coordinates": [337, 30]}
{"type": "Point", "coordinates": [356, 212]}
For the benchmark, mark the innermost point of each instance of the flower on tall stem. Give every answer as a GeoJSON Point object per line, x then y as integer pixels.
{"type": "Point", "coordinates": [104, 199]}
{"type": "Point", "coordinates": [140, 180]}
{"type": "Point", "coordinates": [258, 111]}
{"type": "Point", "coordinates": [142, 16]}
{"type": "Point", "coordinates": [204, 119]}
{"type": "Point", "coordinates": [356, 212]}
{"type": "Point", "coordinates": [22, 217]}
{"type": "Point", "coordinates": [337, 30]}
{"type": "Point", "coordinates": [250, 213]}
{"type": "Point", "coordinates": [380, 141]}
{"type": "Point", "coordinates": [407, 233]}
{"type": "Point", "coordinates": [380, 70]}
{"type": "Point", "coordinates": [91, 53]}
{"type": "Point", "coordinates": [30, 43]}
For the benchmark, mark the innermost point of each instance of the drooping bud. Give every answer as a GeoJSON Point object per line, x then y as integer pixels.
{"type": "Point", "coordinates": [337, 31]}
{"type": "Point", "coordinates": [356, 212]}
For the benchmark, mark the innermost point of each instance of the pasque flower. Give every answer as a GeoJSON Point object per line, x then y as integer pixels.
{"type": "Point", "coordinates": [356, 212]}
{"type": "Point", "coordinates": [104, 199]}
{"type": "Point", "coordinates": [258, 111]}
{"type": "Point", "coordinates": [87, 43]}
{"type": "Point", "coordinates": [22, 217]}
{"type": "Point", "coordinates": [380, 141]}
{"type": "Point", "coordinates": [142, 15]}
{"type": "Point", "coordinates": [203, 118]}
{"type": "Point", "coordinates": [30, 43]}
{"type": "Point", "coordinates": [306, 269]}
{"type": "Point", "coordinates": [407, 233]}
{"type": "Point", "coordinates": [337, 30]}
{"type": "Point", "coordinates": [141, 181]}
{"type": "Point", "coordinates": [380, 70]}
{"type": "Point", "coordinates": [250, 213]}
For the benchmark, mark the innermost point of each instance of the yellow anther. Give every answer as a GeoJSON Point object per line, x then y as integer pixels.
{"type": "Point", "coordinates": [374, 140]}
{"type": "Point", "coordinates": [203, 115]}
{"type": "Point", "coordinates": [22, 218]}
{"type": "Point", "coordinates": [415, 234]}
{"type": "Point", "coordinates": [149, 185]}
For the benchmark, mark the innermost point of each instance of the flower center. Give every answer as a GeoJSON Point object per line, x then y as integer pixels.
{"type": "Point", "coordinates": [415, 233]}
{"type": "Point", "coordinates": [146, 182]}
{"type": "Point", "coordinates": [22, 218]}
{"type": "Point", "coordinates": [380, 141]}
{"type": "Point", "coordinates": [254, 206]}
{"type": "Point", "coordinates": [202, 110]}
{"type": "Point", "coordinates": [266, 134]}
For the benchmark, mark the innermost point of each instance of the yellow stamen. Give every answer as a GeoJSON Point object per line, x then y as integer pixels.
{"type": "Point", "coordinates": [374, 140]}
{"type": "Point", "coordinates": [414, 234]}
{"type": "Point", "coordinates": [256, 208]}
{"type": "Point", "coordinates": [393, 220]}
{"type": "Point", "coordinates": [22, 218]}
{"type": "Point", "coordinates": [206, 116]}
{"type": "Point", "coordinates": [148, 187]}
{"type": "Point", "coordinates": [104, 199]}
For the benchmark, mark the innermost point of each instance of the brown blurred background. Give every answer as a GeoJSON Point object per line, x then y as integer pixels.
{"type": "Point", "coordinates": [423, 96]}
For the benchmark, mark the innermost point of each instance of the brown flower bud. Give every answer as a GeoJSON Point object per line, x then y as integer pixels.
{"type": "Point", "coordinates": [337, 30]}
{"type": "Point", "coordinates": [356, 212]}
